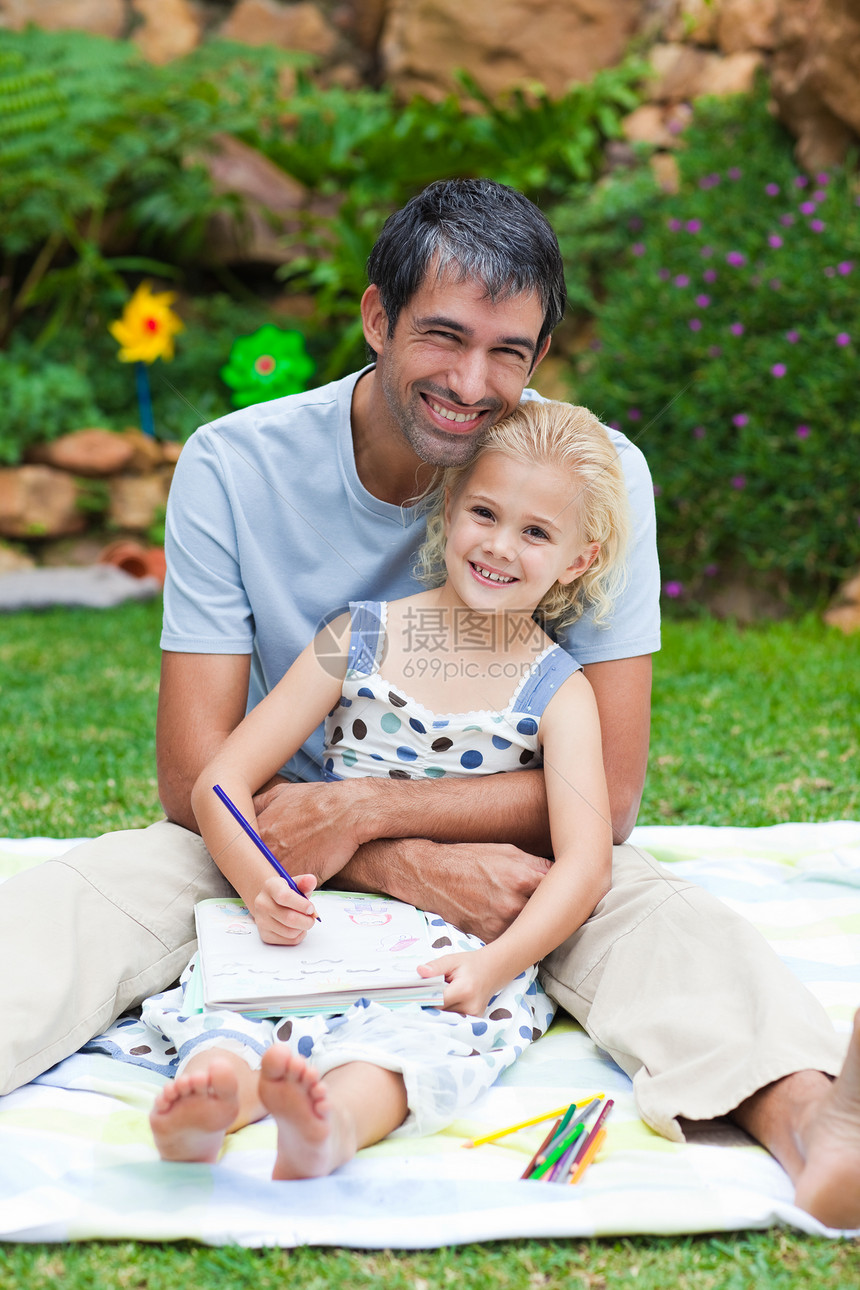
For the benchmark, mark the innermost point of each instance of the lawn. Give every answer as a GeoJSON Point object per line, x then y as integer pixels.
{"type": "Point", "coordinates": [751, 727]}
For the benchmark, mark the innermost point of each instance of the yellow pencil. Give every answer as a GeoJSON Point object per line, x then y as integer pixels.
{"type": "Point", "coordinates": [525, 1124]}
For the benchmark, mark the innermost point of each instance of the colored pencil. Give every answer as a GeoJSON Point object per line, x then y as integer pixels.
{"type": "Point", "coordinates": [595, 1130]}
{"type": "Point", "coordinates": [590, 1152]}
{"type": "Point", "coordinates": [556, 1150]}
{"type": "Point", "coordinates": [547, 1140]}
{"type": "Point", "coordinates": [561, 1168]}
{"type": "Point", "coordinates": [526, 1124]}
{"type": "Point", "coordinates": [259, 843]}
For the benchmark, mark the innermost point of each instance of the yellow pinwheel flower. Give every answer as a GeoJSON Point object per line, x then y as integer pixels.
{"type": "Point", "coordinates": [147, 326]}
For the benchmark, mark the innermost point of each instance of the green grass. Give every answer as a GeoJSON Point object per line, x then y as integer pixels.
{"type": "Point", "coordinates": [751, 727]}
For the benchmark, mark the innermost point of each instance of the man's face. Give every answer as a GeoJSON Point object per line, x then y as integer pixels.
{"type": "Point", "coordinates": [455, 364]}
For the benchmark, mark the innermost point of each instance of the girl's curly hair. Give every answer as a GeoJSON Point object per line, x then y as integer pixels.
{"type": "Point", "coordinates": [569, 438]}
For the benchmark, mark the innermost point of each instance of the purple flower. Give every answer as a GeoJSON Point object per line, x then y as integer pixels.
{"type": "Point", "coordinates": [710, 275]}
{"type": "Point", "coordinates": [775, 284]}
{"type": "Point", "coordinates": [800, 181]}
{"type": "Point", "coordinates": [634, 414]}
{"type": "Point", "coordinates": [674, 225]}
{"type": "Point", "coordinates": [706, 252]}
{"type": "Point", "coordinates": [657, 490]}
{"type": "Point", "coordinates": [739, 482]}
{"type": "Point", "coordinates": [792, 337]}
{"type": "Point", "coordinates": [829, 271]}
{"type": "Point", "coordinates": [699, 432]}
{"type": "Point", "coordinates": [634, 223]}
{"type": "Point", "coordinates": [817, 225]}
{"type": "Point", "coordinates": [682, 280]}
{"type": "Point", "coordinates": [775, 240]}
{"type": "Point", "coordinates": [664, 275]}
{"type": "Point", "coordinates": [714, 351]}
{"type": "Point", "coordinates": [638, 248]}
{"type": "Point", "coordinates": [786, 219]}
{"type": "Point", "coordinates": [711, 570]}
{"type": "Point", "coordinates": [778, 370]}
{"type": "Point", "coordinates": [615, 425]}
{"type": "Point", "coordinates": [736, 328]}
{"type": "Point", "coordinates": [734, 172]}
{"type": "Point", "coordinates": [695, 324]}
{"type": "Point", "coordinates": [802, 432]}
{"type": "Point", "coordinates": [740, 419]}
{"type": "Point", "coordinates": [735, 258]}
{"type": "Point", "coordinates": [823, 178]}
{"type": "Point", "coordinates": [808, 208]}
{"type": "Point", "coordinates": [819, 195]}
{"type": "Point", "coordinates": [843, 338]}
{"type": "Point", "coordinates": [772, 190]}
{"type": "Point", "coordinates": [673, 589]}
{"type": "Point", "coordinates": [703, 301]}
{"type": "Point", "coordinates": [845, 267]}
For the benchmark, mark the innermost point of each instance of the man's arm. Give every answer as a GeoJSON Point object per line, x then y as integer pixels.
{"type": "Point", "coordinates": [623, 692]}
{"type": "Point", "coordinates": [201, 700]}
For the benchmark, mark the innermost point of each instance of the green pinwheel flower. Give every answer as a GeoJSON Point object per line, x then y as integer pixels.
{"type": "Point", "coordinates": [267, 365]}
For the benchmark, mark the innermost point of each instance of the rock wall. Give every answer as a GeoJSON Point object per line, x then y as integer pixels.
{"type": "Point", "coordinates": [810, 48]}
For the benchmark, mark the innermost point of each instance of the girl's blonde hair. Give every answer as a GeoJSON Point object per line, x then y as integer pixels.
{"type": "Point", "coordinates": [569, 438]}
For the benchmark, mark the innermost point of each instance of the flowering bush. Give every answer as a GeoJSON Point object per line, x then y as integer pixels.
{"type": "Point", "coordinates": [727, 348]}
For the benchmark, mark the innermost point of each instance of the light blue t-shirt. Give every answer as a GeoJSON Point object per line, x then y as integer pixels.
{"type": "Point", "coordinates": [270, 534]}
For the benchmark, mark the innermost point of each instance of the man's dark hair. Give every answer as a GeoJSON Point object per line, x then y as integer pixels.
{"type": "Point", "coordinates": [475, 229]}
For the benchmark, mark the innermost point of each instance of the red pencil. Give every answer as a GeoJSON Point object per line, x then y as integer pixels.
{"type": "Point", "coordinates": [547, 1140]}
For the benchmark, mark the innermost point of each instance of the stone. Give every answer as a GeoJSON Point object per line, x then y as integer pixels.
{"type": "Point", "coordinates": [814, 78]}
{"type": "Point", "coordinates": [734, 74]}
{"type": "Point", "coordinates": [170, 29]}
{"type": "Point", "coordinates": [146, 453]}
{"type": "Point", "coordinates": [666, 171]}
{"type": "Point", "coordinates": [38, 501]}
{"type": "Point", "coordinates": [502, 43]}
{"type": "Point", "coordinates": [648, 124]}
{"type": "Point", "coordinates": [289, 26]}
{"type": "Point", "coordinates": [694, 22]}
{"type": "Point", "coordinates": [137, 502]}
{"type": "Point", "coordinates": [71, 552]}
{"type": "Point", "coordinates": [272, 201]}
{"type": "Point", "coordinates": [101, 17]}
{"type": "Point", "coordinates": [743, 25]}
{"type": "Point", "coordinates": [92, 452]}
{"type": "Point", "coordinates": [844, 613]}
{"type": "Point", "coordinates": [12, 560]}
{"type": "Point", "coordinates": [678, 71]}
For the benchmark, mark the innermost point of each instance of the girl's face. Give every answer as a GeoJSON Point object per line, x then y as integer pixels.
{"type": "Point", "coordinates": [512, 532]}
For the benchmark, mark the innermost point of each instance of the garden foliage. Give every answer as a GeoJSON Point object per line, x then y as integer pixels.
{"type": "Point", "coordinates": [726, 347]}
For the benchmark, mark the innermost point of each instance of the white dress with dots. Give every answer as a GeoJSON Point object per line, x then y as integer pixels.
{"type": "Point", "coordinates": [446, 1060]}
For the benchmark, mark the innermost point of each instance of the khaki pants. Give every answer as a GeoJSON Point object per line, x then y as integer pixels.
{"type": "Point", "coordinates": [684, 995]}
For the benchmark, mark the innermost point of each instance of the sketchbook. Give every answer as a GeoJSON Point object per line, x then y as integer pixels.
{"type": "Point", "coordinates": [364, 946]}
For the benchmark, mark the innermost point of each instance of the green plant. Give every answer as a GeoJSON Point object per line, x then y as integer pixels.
{"type": "Point", "coordinates": [101, 159]}
{"type": "Point", "coordinates": [40, 400]}
{"type": "Point", "coordinates": [726, 347]}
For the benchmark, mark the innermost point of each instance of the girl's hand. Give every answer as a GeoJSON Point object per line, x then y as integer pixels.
{"type": "Point", "coordinates": [469, 982]}
{"type": "Point", "coordinates": [282, 917]}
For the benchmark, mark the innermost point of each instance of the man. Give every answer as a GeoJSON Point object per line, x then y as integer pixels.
{"type": "Point", "coordinates": [280, 515]}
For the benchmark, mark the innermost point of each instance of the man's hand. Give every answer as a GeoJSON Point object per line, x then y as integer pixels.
{"type": "Point", "coordinates": [311, 827]}
{"type": "Point", "coordinates": [480, 887]}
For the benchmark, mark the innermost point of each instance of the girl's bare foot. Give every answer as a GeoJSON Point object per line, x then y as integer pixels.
{"type": "Point", "coordinates": [310, 1134]}
{"type": "Point", "coordinates": [193, 1112]}
{"type": "Point", "coordinates": [828, 1184]}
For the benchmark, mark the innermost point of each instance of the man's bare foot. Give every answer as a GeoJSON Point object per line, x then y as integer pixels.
{"type": "Point", "coordinates": [828, 1184]}
{"type": "Point", "coordinates": [193, 1112]}
{"type": "Point", "coordinates": [310, 1134]}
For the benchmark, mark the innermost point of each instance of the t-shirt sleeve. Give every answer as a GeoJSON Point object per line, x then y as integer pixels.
{"type": "Point", "coordinates": [633, 627]}
{"type": "Point", "coordinates": [206, 607]}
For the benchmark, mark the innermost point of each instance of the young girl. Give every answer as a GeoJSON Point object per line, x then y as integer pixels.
{"type": "Point", "coordinates": [456, 680]}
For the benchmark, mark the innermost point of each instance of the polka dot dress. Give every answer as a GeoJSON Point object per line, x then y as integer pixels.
{"type": "Point", "coordinates": [377, 729]}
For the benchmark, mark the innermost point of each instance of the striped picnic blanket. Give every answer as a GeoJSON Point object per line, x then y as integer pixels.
{"type": "Point", "coordinates": [77, 1161]}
